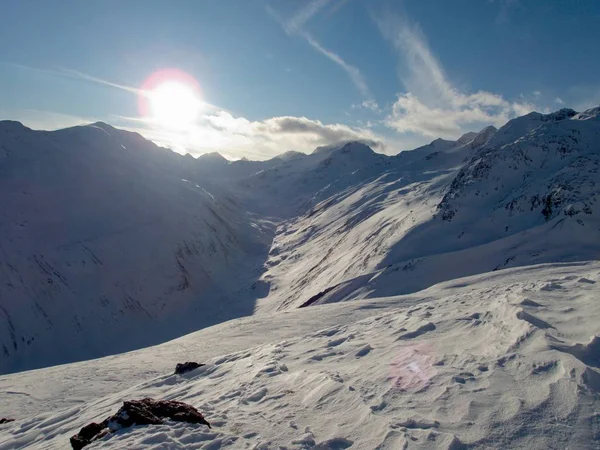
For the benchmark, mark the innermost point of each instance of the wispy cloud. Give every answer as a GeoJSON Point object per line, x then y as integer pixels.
{"type": "Point", "coordinates": [353, 72]}
{"type": "Point", "coordinates": [86, 77]}
{"type": "Point", "coordinates": [75, 74]}
{"type": "Point", "coordinates": [64, 72]}
{"type": "Point", "coordinates": [295, 26]}
{"type": "Point", "coordinates": [369, 104]}
{"type": "Point", "coordinates": [303, 16]}
{"type": "Point", "coordinates": [431, 105]}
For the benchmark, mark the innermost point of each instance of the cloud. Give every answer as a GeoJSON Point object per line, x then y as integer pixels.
{"type": "Point", "coordinates": [369, 104]}
{"type": "Point", "coordinates": [297, 22]}
{"type": "Point", "coordinates": [238, 136]}
{"type": "Point", "coordinates": [86, 77]}
{"type": "Point", "coordinates": [432, 106]}
{"type": "Point", "coordinates": [295, 27]}
{"type": "Point", "coordinates": [64, 72]}
{"type": "Point", "coordinates": [353, 72]}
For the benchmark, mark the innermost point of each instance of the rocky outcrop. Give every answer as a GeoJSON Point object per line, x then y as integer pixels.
{"type": "Point", "coordinates": [138, 412]}
{"type": "Point", "coordinates": [186, 367]}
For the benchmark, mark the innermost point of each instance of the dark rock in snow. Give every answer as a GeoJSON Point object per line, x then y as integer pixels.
{"type": "Point", "coordinates": [138, 412]}
{"type": "Point", "coordinates": [150, 412]}
{"type": "Point", "coordinates": [133, 413]}
{"type": "Point", "coordinates": [4, 420]}
{"type": "Point", "coordinates": [187, 366]}
{"type": "Point", "coordinates": [87, 434]}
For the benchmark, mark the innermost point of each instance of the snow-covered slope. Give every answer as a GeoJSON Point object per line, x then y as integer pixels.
{"type": "Point", "coordinates": [285, 189]}
{"type": "Point", "coordinates": [110, 243]}
{"type": "Point", "coordinates": [107, 246]}
{"type": "Point", "coordinates": [495, 361]}
{"type": "Point", "coordinates": [103, 228]}
{"type": "Point", "coordinates": [447, 210]}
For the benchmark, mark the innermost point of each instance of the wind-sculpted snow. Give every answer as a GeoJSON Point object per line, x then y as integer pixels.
{"type": "Point", "coordinates": [502, 360]}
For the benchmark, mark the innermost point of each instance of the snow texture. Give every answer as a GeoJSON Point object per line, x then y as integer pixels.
{"type": "Point", "coordinates": [487, 376]}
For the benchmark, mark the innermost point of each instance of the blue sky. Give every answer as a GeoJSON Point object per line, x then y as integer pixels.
{"type": "Point", "coordinates": [295, 74]}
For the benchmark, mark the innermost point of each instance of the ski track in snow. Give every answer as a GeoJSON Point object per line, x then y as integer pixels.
{"type": "Point", "coordinates": [487, 375]}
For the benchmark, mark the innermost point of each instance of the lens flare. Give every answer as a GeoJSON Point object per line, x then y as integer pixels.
{"type": "Point", "coordinates": [412, 368]}
{"type": "Point", "coordinates": [171, 98]}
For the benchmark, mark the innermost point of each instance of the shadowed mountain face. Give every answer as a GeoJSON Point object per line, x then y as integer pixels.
{"type": "Point", "coordinates": [110, 243]}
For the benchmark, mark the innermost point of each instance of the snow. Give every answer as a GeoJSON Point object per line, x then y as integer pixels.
{"type": "Point", "coordinates": [405, 228]}
{"type": "Point", "coordinates": [500, 360]}
{"type": "Point", "coordinates": [444, 297]}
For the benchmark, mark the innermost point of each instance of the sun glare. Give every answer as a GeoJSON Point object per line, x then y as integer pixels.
{"type": "Point", "coordinates": [172, 99]}
{"type": "Point", "coordinates": [174, 105]}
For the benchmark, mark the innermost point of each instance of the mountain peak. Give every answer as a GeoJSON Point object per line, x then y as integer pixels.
{"type": "Point", "coordinates": [215, 157]}
{"type": "Point", "coordinates": [356, 146]}
{"type": "Point", "coordinates": [467, 137]}
{"type": "Point", "coordinates": [522, 125]}
{"type": "Point", "coordinates": [561, 114]}
{"type": "Point", "coordinates": [488, 129]}
{"type": "Point", "coordinates": [344, 147]}
{"type": "Point", "coordinates": [102, 125]}
{"type": "Point", "coordinates": [289, 155]}
{"type": "Point", "coordinates": [12, 125]}
{"type": "Point", "coordinates": [483, 136]}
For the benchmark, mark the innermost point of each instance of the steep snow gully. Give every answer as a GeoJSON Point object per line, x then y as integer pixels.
{"type": "Point", "coordinates": [445, 297]}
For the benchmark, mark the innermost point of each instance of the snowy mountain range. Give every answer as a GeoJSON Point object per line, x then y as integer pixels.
{"type": "Point", "coordinates": [111, 244]}
{"type": "Point", "coordinates": [103, 230]}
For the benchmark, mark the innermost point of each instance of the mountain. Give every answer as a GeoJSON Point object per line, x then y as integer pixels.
{"type": "Point", "coordinates": [104, 238]}
{"type": "Point", "coordinates": [446, 210]}
{"type": "Point", "coordinates": [440, 298]}
{"type": "Point", "coordinates": [105, 229]}
{"type": "Point", "coordinates": [284, 190]}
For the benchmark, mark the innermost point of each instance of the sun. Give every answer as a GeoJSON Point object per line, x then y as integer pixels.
{"type": "Point", "coordinates": [174, 105]}
{"type": "Point", "coordinates": [171, 98]}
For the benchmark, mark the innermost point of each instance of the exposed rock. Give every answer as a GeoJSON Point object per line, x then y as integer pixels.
{"type": "Point", "coordinates": [4, 420]}
{"type": "Point", "coordinates": [138, 412]}
{"type": "Point", "coordinates": [87, 434]}
{"type": "Point", "coordinates": [187, 366]}
{"type": "Point", "coordinates": [150, 412]}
